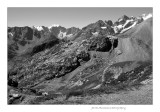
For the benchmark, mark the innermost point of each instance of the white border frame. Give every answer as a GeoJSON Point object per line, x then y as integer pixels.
{"type": "Point", "coordinates": [78, 3]}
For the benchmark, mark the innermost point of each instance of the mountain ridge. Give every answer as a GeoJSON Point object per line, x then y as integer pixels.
{"type": "Point", "coordinates": [27, 37]}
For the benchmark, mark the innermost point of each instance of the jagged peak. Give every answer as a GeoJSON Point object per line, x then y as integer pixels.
{"type": "Point", "coordinates": [124, 17]}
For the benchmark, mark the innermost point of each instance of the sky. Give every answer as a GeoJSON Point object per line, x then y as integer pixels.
{"type": "Point", "coordinates": [68, 17]}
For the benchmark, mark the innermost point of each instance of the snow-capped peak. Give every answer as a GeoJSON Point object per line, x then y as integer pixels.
{"type": "Point", "coordinates": [54, 25]}
{"type": "Point", "coordinates": [145, 17]}
{"type": "Point", "coordinates": [130, 23]}
{"type": "Point", "coordinates": [39, 28]}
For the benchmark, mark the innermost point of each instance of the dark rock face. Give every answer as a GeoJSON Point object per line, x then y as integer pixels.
{"type": "Point", "coordinates": [103, 44]}
{"type": "Point", "coordinates": [94, 26]}
{"type": "Point", "coordinates": [12, 83]}
{"type": "Point", "coordinates": [121, 20]}
{"type": "Point", "coordinates": [37, 34]}
{"type": "Point", "coordinates": [100, 23]}
{"type": "Point", "coordinates": [115, 43]}
{"type": "Point", "coordinates": [83, 56]}
{"type": "Point", "coordinates": [109, 22]}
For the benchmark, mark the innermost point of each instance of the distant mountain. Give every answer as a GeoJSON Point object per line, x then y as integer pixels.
{"type": "Point", "coordinates": [22, 38]}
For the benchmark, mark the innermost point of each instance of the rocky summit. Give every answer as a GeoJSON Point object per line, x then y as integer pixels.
{"type": "Point", "coordinates": [58, 65]}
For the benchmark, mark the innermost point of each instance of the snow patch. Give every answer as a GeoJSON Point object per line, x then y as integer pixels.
{"type": "Point", "coordinates": [44, 93]}
{"type": "Point", "coordinates": [103, 27]}
{"type": "Point", "coordinates": [96, 87]}
{"type": "Point", "coordinates": [117, 28]}
{"type": "Point", "coordinates": [10, 33]}
{"type": "Point", "coordinates": [127, 22]}
{"type": "Point", "coordinates": [95, 33]}
{"type": "Point", "coordinates": [54, 25]}
{"type": "Point", "coordinates": [129, 27]}
{"type": "Point", "coordinates": [120, 26]}
{"type": "Point", "coordinates": [39, 28]}
{"type": "Point", "coordinates": [15, 95]}
{"type": "Point", "coordinates": [120, 20]}
{"type": "Point", "coordinates": [133, 21]}
{"type": "Point", "coordinates": [145, 17]}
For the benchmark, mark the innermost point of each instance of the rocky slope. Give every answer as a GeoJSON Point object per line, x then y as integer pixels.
{"type": "Point", "coordinates": [51, 65]}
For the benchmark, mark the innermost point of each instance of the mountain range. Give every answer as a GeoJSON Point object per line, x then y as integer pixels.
{"type": "Point", "coordinates": [49, 65]}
